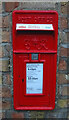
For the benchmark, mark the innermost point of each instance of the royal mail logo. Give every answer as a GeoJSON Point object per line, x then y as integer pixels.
{"type": "Point", "coordinates": [31, 26]}
{"type": "Point", "coordinates": [22, 26]}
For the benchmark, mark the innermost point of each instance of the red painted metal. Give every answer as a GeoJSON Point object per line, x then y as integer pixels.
{"type": "Point", "coordinates": [26, 42]}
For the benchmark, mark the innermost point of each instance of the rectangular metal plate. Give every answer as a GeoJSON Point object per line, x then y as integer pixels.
{"type": "Point", "coordinates": [34, 56]}
{"type": "Point", "coordinates": [34, 78]}
{"type": "Point", "coordinates": [34, 27]}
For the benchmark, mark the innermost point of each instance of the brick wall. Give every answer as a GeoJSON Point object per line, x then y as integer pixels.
{"type": "Point", "coordinates": [6, 78]}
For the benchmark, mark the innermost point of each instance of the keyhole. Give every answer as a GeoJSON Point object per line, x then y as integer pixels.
{"type": "Point", "coordinates": [22, 80]}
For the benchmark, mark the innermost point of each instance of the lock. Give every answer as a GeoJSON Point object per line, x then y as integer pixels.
{"type": "Point", "coordinates": [34, 56]}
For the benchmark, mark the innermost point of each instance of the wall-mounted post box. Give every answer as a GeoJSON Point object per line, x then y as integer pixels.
{"type": "Point", "coordinates": [34, 59]}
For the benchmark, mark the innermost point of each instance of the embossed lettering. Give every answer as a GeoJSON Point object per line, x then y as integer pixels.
{"type": "Point", "coordinates": [36, 44]}
{"type": "Point", "coordinates": [42, 19]}
{"type": "Point", "coordinates": [24, 19]}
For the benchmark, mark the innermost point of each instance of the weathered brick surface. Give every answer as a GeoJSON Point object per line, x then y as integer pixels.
{"type": "Point", "coordinates": [6, 48]}
{"type": "Point", "coordinates": [67, 77]}
{"type": "Point", "coordinates": [62, 65]}
{"type": "Point", "coordinates": [0, 115]}
{"type": "Point", "coordinates": [5, 21]}
{"type": "Point", "coordinates": [0, 104]}
{"type": "Point", "coordinates": [68, 8]}
{"type": "Point", "coordinates": [36, 114]}
{"type": "Point", "coordinates": [64, 7]}
{"type": "Point", "coordinates": [32, 114]}
{"type": "Point", "coordinates": [10, 6]}
{"type": "Point", "coordinates": [60, 113]}
{"type": "Point", "coordinates": [68, 53]}
{"type": "Point", "coordinates": [0, 51]}
{"type": "Point", "coordinates": [6, 105]}
{"type": "Point", "coordinates": [40, 115]}
{"type": "Point", "coordinates": [4, 64]}
{"type": "Point", "coordinates": [63, 37]}
{"type": "Point", "coordinates": [63, 23]}
{"type": "Point", "coordinates": [0, 35]}
{"type": "Point", "coordinates": [5, 36]}
{"type": "Point", "coordinates": [7, 79]}
{"type": "Point", "coordinates": [62, 79]}
{"type": "Point", "coordinates": [0, 91]}
{"type": "Point", "coordinates": [1, 65]}
{"type": "Point", "coordinates": [6, 92]}
{"type": "Point", "coordinates": [62, 103]}
{"type": "Point", "coordinates": [64, 51]}
{"type": "Point", "coordinates": [3, 115]}
{"type": "Point", "coordinates": [37, 5]}
{"type": "Point", "coordinates": [65, 90]}
{"type": "Point", "coordinates": [68, 116]}
{"type": "Point", "coordinates": [0, 79]}
{"type": "Point", "coordinates": [0, 7]}
{"type": "Point", "coordinates": [0, 21]}
{"type": "Point", "coordinates": [17, 115]}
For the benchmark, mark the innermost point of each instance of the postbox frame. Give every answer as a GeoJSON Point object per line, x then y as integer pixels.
{"type": "Point", "coordinates": [17, 52]}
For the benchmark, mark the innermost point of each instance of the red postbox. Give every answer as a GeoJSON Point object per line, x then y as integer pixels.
{"type": "Point", "coordinates": [34, 59]}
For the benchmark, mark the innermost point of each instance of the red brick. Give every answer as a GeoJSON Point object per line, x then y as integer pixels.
{"type": "Point", "coordinates": [6, 104]}
{"type": "Point", "coordinates": [10, 6]}
{"type": "Point", "coordinates": [62, 65]}
{"type": "Point", "coordinates": [64, 7]}
{"type": "Point", "coordinates": [61, 79]}
{"type": "Point", "coordinates": [5, 21]}
{"type": "Point", "coordinates": [5, 36]}
{"type": "Point", "coordinates": [17, 115]}
{"type": "Point", "coordinates": [63, 23]}
{"type": "Point", "coordinates": [6, 93]}
{"type": "Point", "coordinates": [63, 51]}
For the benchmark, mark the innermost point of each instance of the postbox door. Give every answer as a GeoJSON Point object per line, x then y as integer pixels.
{"type": "Point", "coordinates": [34, 99]}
